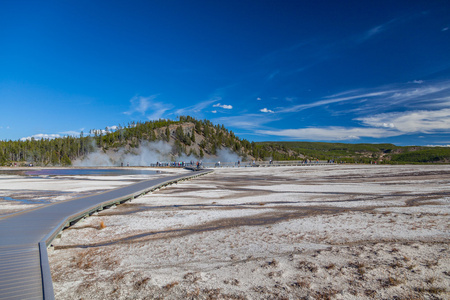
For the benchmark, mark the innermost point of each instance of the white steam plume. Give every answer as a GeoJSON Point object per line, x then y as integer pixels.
{"type": "Point", "coordinates": [147, 153]}
{"type": "Point", "coordinates": [226, 155]}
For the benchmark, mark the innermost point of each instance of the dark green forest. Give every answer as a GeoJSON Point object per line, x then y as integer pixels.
{"type": "Point", "coordinates": [364, 153]}
{"type": "Point", "coordinates": [201, 138]}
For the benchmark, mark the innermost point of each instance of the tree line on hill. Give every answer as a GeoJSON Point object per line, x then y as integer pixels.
{"type": "Point", "coordinates": [364, 153]}
{"type": "Point", "coordinates": [201, 138]}
{"type": "Point", "coordinates": [62, 151]}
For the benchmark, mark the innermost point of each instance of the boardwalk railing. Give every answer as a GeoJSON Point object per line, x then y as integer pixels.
{"type": "Point", "coordinates": [256, 164]}
{"type": "Point", "coordinates": [70, 220]}
{"type": "Point", "coordinates": [262, 164]}
{"type": "Point", "coordinates": [24, 237]}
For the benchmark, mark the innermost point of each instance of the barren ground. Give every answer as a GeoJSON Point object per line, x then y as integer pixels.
{"type": "Point", "coordinates": [326, 232]}
{"type": "Point", "coordinates": [19, 192]}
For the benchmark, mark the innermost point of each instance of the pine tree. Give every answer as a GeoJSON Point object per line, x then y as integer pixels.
{"type": "Point", "coordinates": [65, 161]}
{"type": "Point", "coordinates": [179, 133]}
{"type": "Point", "coordinates": [167, 134]}
{"type": "Point", "coordinates": [193, 135]}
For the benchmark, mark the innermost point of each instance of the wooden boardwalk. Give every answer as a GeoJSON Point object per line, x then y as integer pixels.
{"type": "Point", "coordinates": [24, 237]}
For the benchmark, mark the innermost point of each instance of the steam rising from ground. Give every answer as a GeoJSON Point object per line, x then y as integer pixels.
{"type": "Point", "coordinates": [147, 153]}
{"type": "Point", "coordinates": [226, 155]}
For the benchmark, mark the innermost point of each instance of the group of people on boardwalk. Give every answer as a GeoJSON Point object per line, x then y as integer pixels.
{"type": "Point", "coordinates": [199, 164]}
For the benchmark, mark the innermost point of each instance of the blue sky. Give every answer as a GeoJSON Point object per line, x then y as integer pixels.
{"type": "Point", "coordinates": [353, 71]}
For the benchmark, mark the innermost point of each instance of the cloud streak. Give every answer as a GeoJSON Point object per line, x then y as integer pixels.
{"type": "Point", "coordinates": [414, 107]}
{"type": "Point", "coordinates": [71, 133]}
{"type": "Point", "coordinates": [246, 121]}
{"type": "Point", "coordinates": [224, 106]}
{"type": "Point", "coordinates": [377, 126]}
{"type": "Point", "coordinates": [423, 121]}
{"type": "Point", "coordinates": [330, 133]}
{"type": "Point", "coordinates": [272, 75]}
{"type": "Point", "coordinates": [41, 136]}
{"type": "Point", "coordinates": [196, 109]}
{"type": "Point", "coordinates": [148, 107]}
{"type": "Point", "coordinates": [328, 100]}
{"type": "Point", "coordinates": [383, 97]}
{"type": "Point", "coordinates": [375, 31]}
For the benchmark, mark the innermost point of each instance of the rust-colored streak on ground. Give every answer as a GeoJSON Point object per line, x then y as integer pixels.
{"type": "Point", "coordinates": [263, 219]}
{"type": "Point", "coordinates": [352, 232]}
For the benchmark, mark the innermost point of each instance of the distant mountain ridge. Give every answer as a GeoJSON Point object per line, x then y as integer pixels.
{"type": "Point", "coordinates": [189, 137]}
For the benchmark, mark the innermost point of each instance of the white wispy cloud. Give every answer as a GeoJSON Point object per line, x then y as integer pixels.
{"type": "Point", "coordinates": [51, 136]}
{"type": "Point", "coordinates": [196, 109]}
{"type": "Point", "coordinates": [331, 133]}
{"type": "Point", "coordinates": [259, 99]}
{"type": "Point", "coordinates": [246, 121]}
{"type": "Point", "coordinates": [424, 121]}
{"type": "Point", "coordinates": [380, 98]}
{"type": "Point", "coordinates": [71, 133]}
{"type": "Point", "coordinates": [447, 146]}
{"type": "Point", "coordinates": [272, 75]}
{"type": "Point", "coordinates": [328, 100]}
{"type": "Point", "coordinates": [108, 129]}
{"type": "Point", "coordinates": [377, 126]}
{"type": "Point", "coordinates": [140, 104]}
{"type": "Point", "coordinates": [214, 111]}
{"type": "Point", "coordinates": [225, 106]}
{"type": "Point", "coordinates": [381, 112]}
{"type": "Point", "coordinates": [373, 31]}
{"type": "Point", "coordinates": [407, 94]}
{"type": "Point", "coordinates": [439, 102]}
{"type": "Point", "coordinates": [376, 30]}
{"type": "Point", "coordinates": [98, 131]}
{"type": "Point", "coordinates": [41, 136]}
{"type": "Point", "coordinates": [148, 107]}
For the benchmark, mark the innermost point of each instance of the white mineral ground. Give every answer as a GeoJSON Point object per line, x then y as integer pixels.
{"type": "Point", "coordinates": [323, 232]}
{"type": "Point", "coordinates": [33, 191]}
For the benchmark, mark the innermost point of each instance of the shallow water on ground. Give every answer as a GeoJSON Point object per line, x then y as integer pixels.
{"type": "Point", "coordinates": [79, 171]}
{"type": "Point", "coordinates": [26, 201]}
{"type": "Point", "coordinates": [103, 172]}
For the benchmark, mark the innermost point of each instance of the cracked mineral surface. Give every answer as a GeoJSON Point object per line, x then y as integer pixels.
{"type": "Point", "coordinates": [323, 232]}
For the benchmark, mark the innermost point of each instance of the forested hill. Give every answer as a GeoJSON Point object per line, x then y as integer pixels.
{"type": "Point", "coordinates": [201, 139]}
{"type": "Point", "coordinates": [186, 137]}
{"type": "Point", "coordinates": [360, 153]}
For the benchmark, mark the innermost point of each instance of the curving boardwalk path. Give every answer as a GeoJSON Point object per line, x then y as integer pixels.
{"type": "Point", "coordinates": [24, 237]}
